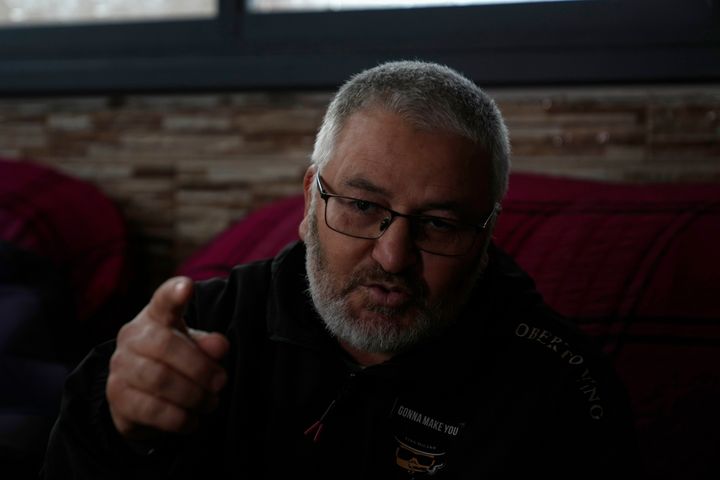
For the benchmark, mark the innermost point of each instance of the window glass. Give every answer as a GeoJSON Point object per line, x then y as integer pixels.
{"type": "Point", "coordinates": [44, 12]}
{"type": "Point", "coordinates": [337, 5]}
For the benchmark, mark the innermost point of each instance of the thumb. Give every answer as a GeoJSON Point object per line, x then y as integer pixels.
{"type": "Point", "coordinates": [214, 344]}
{"type": "Point", "coordinates": [168, 303]}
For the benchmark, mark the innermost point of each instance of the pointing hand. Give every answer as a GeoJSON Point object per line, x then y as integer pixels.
{"type": "Point", "coordinates": [164, 376]}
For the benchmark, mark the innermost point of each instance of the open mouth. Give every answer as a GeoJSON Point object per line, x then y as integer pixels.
{"type": "Point", "coordinates": [388, 296]}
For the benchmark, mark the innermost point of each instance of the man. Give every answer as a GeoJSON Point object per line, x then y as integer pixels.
{"type": "Point", "coordinates": [395, 341]}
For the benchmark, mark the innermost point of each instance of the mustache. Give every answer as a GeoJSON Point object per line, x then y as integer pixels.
{"type": "Point", "coordinates": [375, 274]}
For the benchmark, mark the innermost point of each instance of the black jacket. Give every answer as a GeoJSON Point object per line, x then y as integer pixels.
{"type": "Point", "coordinates": [510, 389]}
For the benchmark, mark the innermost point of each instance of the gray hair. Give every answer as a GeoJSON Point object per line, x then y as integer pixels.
{"type": "Point", "coordinates": [431, 97]}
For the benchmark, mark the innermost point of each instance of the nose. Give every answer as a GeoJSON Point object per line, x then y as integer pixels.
{"type": "Point", "coordinates": [395, 250]}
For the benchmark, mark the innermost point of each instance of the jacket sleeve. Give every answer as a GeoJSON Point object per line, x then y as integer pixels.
{"type": "Point", "coordinates": [83, 443]}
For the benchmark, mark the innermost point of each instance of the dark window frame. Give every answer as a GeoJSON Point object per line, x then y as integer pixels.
{"type": "Point", "coordinates": [595, 41]}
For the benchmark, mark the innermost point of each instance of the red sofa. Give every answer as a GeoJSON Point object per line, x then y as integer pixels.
{"type": "Point", "coordinates": [637, 266]}
{"type": "Point", "coordinates": [63, 271]}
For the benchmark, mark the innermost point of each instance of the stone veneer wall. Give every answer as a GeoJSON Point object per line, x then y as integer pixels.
{"type": "Point", "coordinates": [182, 167]}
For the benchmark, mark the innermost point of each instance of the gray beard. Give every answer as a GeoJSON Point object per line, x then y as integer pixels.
{"type": "Point", "coordinates": [383, 334]}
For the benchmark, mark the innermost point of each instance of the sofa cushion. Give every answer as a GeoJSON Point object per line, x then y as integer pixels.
{"type": "Point", "coordinates": [71, 223]}
{"type": "Point", "coordinates": [34, 312]}
{"type": "Point", "coordinates": [261, 234]}
{"type": "Point", "coordinates": [599, 250]}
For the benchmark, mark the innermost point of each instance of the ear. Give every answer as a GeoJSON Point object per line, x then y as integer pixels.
{"type": "Point", "coordinates": [308, 185]}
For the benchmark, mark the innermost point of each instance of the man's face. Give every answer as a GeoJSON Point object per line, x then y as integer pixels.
{"type": "Point", "coordinates": [384, 295]}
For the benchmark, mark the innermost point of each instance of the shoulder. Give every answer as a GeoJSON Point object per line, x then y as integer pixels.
{"type": "Point", "coordinates": [548, 349]}
{"type": "Point", "coordinates": [583, 397]}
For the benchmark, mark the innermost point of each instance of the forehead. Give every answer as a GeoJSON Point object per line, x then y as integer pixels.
{"type": "Point", "coordinates": [412, 165]}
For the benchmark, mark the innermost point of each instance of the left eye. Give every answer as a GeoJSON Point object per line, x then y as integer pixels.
{"type": "Point", "coordinates": [364, 206]}
{"type": "Point", "coordinates": [439, 224]}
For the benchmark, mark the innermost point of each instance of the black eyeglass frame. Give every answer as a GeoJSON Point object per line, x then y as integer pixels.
{"type": "Point", "coordinates": [385, 224]}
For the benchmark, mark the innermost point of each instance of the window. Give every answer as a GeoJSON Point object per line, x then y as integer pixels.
{"type": "Point", "coordinates": [233, 46]}
{"type": "Point", "coordinates": [257, 6]}
{"type": "Point", "coordinates": [54, 12]}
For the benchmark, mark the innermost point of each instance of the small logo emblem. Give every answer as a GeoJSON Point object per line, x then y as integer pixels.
{"type": "Point", "coordinates": [418, 461]}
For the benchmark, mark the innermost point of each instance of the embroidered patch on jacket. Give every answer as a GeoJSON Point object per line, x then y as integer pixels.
{"type": "Point", "coordinates": [423, 439]}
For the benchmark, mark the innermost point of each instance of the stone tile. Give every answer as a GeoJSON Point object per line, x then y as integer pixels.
{"type": "Point", "coordinates": [182, 167]}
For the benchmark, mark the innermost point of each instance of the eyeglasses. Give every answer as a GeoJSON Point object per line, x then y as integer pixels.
{"type": "Point", "coordinates": [360, 218]}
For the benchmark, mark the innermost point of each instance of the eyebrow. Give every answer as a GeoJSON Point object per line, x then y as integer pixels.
{"type": "Point", "coordinates": [449, 206]}
{"type": "Point", "coordinates": [365, 184]}
{"type": "Point", "coordinates": [362, 183]}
